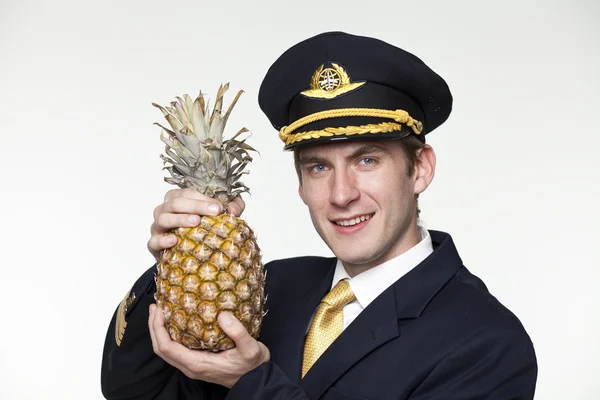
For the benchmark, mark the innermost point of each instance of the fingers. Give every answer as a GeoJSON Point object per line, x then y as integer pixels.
{"type": "Point", "coordinates": [160, 333]}
{"type": "Point", "coordinates": [187, 192]}
{"type": "Point", "coordinates": [182, 212]}
{"type": "Point", "coordinates": [177, 213]}
{"type": "Point", "coordinates": [173, 353]}
{"type": "Point", "coordinates": [245, 344]}
{"type": "Point", "coordinates": [190, 201]}
{"type": "Point", "coordinates": [167, 221]}
{"type": "Point", "coordinates": [236, 207]}
{"type": "Point", "coordinates": [185, 205]}
{"type": "Point", "coordinates": [183, 208]}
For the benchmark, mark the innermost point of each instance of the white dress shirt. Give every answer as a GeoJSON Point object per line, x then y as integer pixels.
{"type": "Point", "coordinates": [371, 283]}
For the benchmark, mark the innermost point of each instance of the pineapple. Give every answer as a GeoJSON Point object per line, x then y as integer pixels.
{"type": "Point", "coordinates": [217, 265]}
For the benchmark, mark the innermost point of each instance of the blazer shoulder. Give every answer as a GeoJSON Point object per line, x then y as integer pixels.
{"type": "Point", "coordinates": [305, 264]}
{"type": "Point", "coordinates": [292, 277]}
{"type": "Point", "coordinates": [468, 298]}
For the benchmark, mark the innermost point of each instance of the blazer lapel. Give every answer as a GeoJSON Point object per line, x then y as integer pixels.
{"type": "Point", "coordinates": [290, 340]}
{"type": "Point", "coordinates": [375, 325]}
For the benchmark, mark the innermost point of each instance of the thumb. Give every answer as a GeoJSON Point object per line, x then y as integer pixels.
{"type": "Point", "coordinates": [237, 332]}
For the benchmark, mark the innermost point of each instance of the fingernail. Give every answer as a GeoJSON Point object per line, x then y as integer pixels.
{"type": "Point", "coordinates": [233, 210]}
{"type": "Point", "coordinates": [225, 319]}
{"type": "Point", "coordinates": [214, 209]}
{"type": "Point", "coordinates": [193, 219]}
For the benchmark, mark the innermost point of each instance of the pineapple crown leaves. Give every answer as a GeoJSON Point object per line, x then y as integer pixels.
{"type": "Point", "coordinates": [195, 153]}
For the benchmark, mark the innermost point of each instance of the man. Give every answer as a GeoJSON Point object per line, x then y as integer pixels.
{"type": "Point", "coordinates": [395, 315]}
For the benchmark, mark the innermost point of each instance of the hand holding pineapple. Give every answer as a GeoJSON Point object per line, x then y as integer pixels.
{"type": "Point", "coordinates": [183, 208]}
{"type": "Point", "coordinates": [223, 368]}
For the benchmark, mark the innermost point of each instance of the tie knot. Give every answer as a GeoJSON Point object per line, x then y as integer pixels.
{"type": "Point", "coordinates": [340, 295]}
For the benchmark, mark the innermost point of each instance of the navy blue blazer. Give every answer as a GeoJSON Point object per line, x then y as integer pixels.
{"type": "Point", "coordinates": [436, 333]}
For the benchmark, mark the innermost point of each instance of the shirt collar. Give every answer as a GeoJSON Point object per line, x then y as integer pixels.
{"type": "Point", "coordinates": [371, 283]}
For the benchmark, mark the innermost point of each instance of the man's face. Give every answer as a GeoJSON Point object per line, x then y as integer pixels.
{"type": "Point", "coordinates": [361, 199]}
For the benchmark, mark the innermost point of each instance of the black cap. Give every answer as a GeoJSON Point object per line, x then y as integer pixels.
{"type": "Point", "coordinates": [337, 86]}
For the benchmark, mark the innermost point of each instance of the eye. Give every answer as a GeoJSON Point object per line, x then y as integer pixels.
{"type": "Point", "coordinates": [318, 168]}
{"type": "Point", "coordinates": [368, 161]}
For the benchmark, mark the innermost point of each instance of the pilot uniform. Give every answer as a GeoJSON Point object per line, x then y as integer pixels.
{"type": "Point", "coordinates": [419, 326]}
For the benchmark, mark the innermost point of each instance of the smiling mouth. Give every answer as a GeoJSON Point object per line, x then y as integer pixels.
{"type": "Point", "coordinates": [353, 221]}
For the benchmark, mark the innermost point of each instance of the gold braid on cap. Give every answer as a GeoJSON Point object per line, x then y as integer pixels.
{"type": "Point", "coordinates": [288, 137]}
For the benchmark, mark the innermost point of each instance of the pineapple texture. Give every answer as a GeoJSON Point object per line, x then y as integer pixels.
{"type": "Point", "coordinates": [215, 266]}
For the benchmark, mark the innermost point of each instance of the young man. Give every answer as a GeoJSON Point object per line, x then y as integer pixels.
{"type": "Point", "coordinates": [395, 315]}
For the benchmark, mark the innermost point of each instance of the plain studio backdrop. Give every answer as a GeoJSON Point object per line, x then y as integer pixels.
{"type": "Point", "coordinates": [516, 183]}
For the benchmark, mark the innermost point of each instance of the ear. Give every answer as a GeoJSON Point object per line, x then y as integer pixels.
{"type": "Point", "coordinates": [424, 169]}
{"type": "Point", "coordinates": [301, 193]}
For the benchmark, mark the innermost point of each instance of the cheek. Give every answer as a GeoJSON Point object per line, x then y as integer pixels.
{"type": "Point", "coordinates": [382, 187]}
{"type": "Point", "coordinates": [394, 192]}
{"type": "Point", "coordinates": [376, 184]}
{"type": "Point", "coordinates": [314, 196]}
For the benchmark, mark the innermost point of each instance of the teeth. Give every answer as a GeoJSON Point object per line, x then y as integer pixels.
{"type": "Point", "coordinates": [354, 221]}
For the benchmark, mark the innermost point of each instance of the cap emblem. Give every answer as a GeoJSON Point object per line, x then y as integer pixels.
{"type": "Point", "coordinates": [330, 82]}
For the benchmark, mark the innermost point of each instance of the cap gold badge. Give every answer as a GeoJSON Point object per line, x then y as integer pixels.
{"type": "Point", "coordinates": [121, 324]}
{"type": "Point", "coordinates": [330, 82]}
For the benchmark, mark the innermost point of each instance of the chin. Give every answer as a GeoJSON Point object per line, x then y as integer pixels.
{"type": "Point", "coordinates": [352, 257]}
{"type": "Point", "coordinates": [350, 250]}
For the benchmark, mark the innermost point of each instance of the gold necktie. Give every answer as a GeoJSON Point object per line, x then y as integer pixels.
{"type": "Point", "coordinates": [328, 323]}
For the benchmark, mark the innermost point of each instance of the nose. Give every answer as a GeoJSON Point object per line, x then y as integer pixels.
{"type": "Point", "coordinates": [343, 188]}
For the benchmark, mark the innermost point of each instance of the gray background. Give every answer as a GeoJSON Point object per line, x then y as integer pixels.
{"type": "Point", "coordinates": [516, 183]}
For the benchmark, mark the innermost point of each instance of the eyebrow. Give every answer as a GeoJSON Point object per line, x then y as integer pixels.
{"type": "Point", "coordinates": [368, 149]}
{"type": "Point", "coordinates": [311, 160]}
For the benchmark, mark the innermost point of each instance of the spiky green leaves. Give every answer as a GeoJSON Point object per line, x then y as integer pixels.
{"type": "Point", "coordinates": [196, 154]}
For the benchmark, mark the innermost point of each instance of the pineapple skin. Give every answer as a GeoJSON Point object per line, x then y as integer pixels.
{"type": "Point", "coordinates": [215, 266]}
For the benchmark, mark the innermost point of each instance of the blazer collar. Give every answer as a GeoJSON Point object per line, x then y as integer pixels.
{"type": "Point", "coordinates": [416, 289]}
